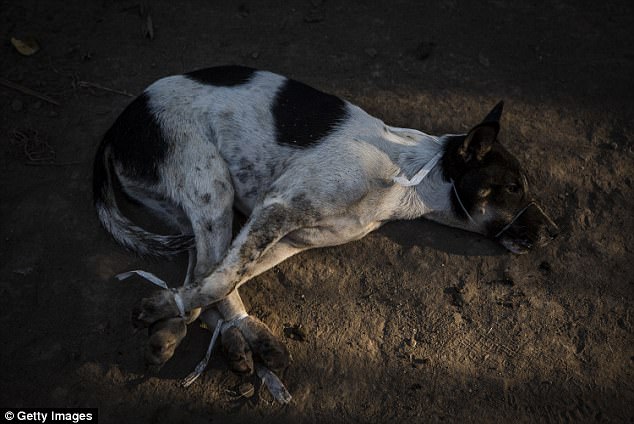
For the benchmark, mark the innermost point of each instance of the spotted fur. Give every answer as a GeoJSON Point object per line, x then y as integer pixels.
{"type": "Point", "coordinates": [307, 168]}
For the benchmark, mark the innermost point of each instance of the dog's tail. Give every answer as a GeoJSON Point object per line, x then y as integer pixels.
{"type": "Point", "coordinates": [122, 229]}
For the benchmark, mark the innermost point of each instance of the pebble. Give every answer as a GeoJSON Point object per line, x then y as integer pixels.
{"type": "Point", "coordinates": [295, 332]}
{"type": "Point", "coordinates": [585, 218]}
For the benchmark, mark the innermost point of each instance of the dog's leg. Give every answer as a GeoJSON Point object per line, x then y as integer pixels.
{"type": "Point", "coordinates": [257, 335]}
{"type": "Point", "coordinates": [205, 198]}
{"type": "Point", "coordinates": [256, 249]}
{"type": "Point", "coordinates": [245, 336]}
{"type": "Point", "coordinates": [212, 230]}
{"type": "Point", "coordinates": [242, 334]}
{"type": "Point", "coordinates": [209, 217]}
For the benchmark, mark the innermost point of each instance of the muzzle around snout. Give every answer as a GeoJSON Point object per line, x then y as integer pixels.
{"type": "Point", "coordinates": [530, 227]}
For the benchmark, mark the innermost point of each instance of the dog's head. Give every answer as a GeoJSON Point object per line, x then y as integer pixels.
{"type": "Point", "coordinates": [490, 193]}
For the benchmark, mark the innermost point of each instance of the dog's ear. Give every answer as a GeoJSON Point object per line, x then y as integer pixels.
{"type": "Point", "coordinates": [495, 114]}
{"type": "Point", "coordinates": [478, 142]}
{"type": "Point", "coordinates": [480, 139]}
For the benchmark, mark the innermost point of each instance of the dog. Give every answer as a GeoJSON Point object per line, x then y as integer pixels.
{"type": "Point", "coordinates": [307, 168]}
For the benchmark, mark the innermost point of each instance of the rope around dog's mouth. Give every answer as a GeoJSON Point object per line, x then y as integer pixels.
{"type": "Point", "coordinates": [516, 217]}
{"type": "Point", "coordinates": [426, 169]}
{"type": "Point", "coordinates": [505, 227]}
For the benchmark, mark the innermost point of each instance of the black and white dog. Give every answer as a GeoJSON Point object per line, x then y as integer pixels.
{"type": "Point", "coordinates": [307, 168]}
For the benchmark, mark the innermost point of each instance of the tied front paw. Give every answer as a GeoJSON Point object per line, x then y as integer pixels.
{"type": "Point", "coordinates": [165, 336]}
{"type": "Point", "coordinates": [151, 309]}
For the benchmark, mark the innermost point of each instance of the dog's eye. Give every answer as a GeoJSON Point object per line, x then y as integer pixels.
{"type": "Point", "coordinates": [513, 188]}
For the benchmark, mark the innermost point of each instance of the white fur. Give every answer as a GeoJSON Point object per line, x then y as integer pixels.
{"type": "Point", "coordinates": [222, 147]}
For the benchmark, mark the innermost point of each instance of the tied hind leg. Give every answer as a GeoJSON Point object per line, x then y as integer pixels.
{"type": "Point", "coordinates": [245, 337]}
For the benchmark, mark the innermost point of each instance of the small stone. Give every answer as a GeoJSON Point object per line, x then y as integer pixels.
{"type": "Point", "coordinates": [17, 105]}
{"type": "Point", "coordinates": [255, 55]}
{"type": "Point", "coordinates": [371, 52]}
{"type": "Point", "coordinates": [585, 218]}
{"type": "Point", "coordinates": [295, 332]}
{"type": "Point", "coordinates": [246, 390]}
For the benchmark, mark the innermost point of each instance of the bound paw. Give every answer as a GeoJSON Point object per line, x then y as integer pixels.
{"type": "Point", "coordinates": [264, 344]}
{"type": "Point", "coordinates": [151, 309]}
{"type": "Point", "coordinates": [237, 351]}
{"type": "Point", "coordinates": [165, 336]}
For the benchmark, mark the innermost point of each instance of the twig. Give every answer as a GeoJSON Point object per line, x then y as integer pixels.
{"type": "Point", "coordinates": [88, 84]}
{"type": "Point", "coordinates": [28, 91]}
{"type": "Point", "coordinates": [52, 163]}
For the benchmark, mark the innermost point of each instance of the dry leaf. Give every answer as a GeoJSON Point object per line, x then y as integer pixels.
{"type": "Point", "coordinates": [26, 47]}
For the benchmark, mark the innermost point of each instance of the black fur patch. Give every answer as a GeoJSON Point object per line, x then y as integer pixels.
{"type": "Point", "coordinates": [137, 141]}
{"type": "Point", "coordinates": [303, 116]}
{"type": "Point", "coordinates": [454, 168]}
{"type": "Point", "coordinates": [222, 76]}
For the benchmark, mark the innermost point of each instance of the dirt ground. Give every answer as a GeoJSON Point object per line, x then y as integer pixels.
{"type": "Point", "coordinates": [414, 323]}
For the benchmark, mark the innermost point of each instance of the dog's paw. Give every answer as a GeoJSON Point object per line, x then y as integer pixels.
{"type": "Point", "coordinates": [151, 309]}
{"type": "Point", "coordinates": [264, 344]}
{"type": "Point", "coordinates": [165, 336]}
{"type": "Point", "coordinates": [237, 351]}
